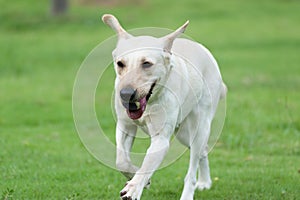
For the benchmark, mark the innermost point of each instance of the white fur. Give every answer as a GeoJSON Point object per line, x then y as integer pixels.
{"type": "Point", "coordinates": [189, 87]}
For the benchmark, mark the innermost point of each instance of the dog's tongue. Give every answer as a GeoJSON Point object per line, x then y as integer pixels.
{"type": "Point", "coordinates": [136, 114]}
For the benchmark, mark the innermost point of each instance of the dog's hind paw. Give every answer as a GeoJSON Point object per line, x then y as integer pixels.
{"type": "Point", "coordinates": [203, 185]}
{"type": "Point", "coordinates": [147, 186]}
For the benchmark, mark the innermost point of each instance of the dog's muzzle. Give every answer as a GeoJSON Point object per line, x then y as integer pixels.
{"type": "Point", "coordinates": [134, 107]}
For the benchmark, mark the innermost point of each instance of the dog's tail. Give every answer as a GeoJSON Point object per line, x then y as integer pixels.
{"type": "Point", "coordinates": [224, 91]}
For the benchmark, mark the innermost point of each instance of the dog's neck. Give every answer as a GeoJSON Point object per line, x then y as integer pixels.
{"type": "Point", "coordinates": [169, 71]}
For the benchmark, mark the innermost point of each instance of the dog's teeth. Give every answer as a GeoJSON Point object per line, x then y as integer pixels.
{"type": "Point", "coordinates": [138, 105]}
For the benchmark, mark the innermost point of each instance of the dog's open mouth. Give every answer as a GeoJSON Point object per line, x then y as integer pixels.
{"type": "Point", "coordinates": [136, 109]}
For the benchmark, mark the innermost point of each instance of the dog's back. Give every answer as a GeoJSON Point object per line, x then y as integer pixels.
{"type": "Point", "coordinates": [201, 59]}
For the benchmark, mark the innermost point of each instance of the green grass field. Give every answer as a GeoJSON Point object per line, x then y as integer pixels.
{"type": "Point", "coordinates": [257, 45]}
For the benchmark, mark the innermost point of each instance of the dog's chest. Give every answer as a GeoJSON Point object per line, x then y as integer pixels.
{"type": "Point", "coordinates": [142, 125]}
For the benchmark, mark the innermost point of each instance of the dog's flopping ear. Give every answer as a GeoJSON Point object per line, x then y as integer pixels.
{"type": "Point", "coordinates": [169, 39]}
{"type": "Point", "coordinates": [112, 22]}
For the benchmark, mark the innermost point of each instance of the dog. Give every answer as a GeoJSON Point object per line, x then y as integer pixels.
{"type": "Point", "coordinates": [164, 86]}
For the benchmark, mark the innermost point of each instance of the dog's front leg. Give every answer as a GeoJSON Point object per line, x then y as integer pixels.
{"type": "Point", "coordinates": [154, 156]}
{"type": "Point", "coordinates": [124, 139]}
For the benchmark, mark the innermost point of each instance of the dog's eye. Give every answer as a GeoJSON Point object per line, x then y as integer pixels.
{"type": "Point", "coordinates": [146, 64]}
{"type": "Point", "coordinates": [120, 64]}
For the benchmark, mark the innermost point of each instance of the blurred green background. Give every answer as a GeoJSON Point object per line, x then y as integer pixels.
{"type": "Point", "coordinates": [256, 43]}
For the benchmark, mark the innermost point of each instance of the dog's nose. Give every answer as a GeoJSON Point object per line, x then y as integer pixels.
{"type": "Point", "coordinates": [127, 94]}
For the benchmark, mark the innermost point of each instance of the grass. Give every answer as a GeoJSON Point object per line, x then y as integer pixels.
{"type": "Point", "coordinates": [257, 46]}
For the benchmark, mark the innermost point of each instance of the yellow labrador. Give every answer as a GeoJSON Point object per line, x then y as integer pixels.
{"type": "Point", "coordinates": [171, 80]}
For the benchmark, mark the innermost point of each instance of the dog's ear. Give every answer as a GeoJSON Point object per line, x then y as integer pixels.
{"type": "Point", "coordinates": [169, 39]}
{"type": "Point", "coordinates": [113, 23]}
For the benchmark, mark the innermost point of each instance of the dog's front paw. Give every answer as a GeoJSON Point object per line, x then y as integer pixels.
{"type": "Point", "coordinates": [131, 191]}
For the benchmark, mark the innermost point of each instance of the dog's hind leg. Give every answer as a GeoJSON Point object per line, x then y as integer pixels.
{"type": "Point", "coordinates": [198, 141]}
{"type": "Point", "coordinates": [204, 180]}
{"type": "Point", "coordinates": [190, 178]}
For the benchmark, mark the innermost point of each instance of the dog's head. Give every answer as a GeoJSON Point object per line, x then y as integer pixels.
{"type": "Point", "coordinates": [142, 65]}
